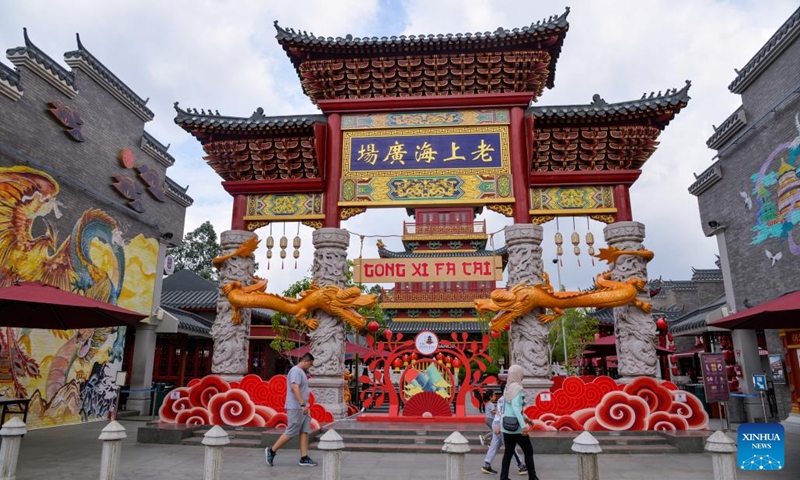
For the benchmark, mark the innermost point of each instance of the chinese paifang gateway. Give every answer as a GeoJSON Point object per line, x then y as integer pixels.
{"type": "Point", "coordinates": [442, 126]}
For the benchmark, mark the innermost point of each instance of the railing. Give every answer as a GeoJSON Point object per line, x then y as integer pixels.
{"type": "Point", "coordinates": [449, 296]}
{"type": "Point", "coordinates": [462, 228]}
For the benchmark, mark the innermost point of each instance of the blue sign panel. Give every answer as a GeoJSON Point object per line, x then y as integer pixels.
{"type": "Point", "coordinates": [760, 446]}
{"type": "Point", "coordinates": [415, 152]}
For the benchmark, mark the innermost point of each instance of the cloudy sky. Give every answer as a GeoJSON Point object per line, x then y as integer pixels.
{"type": "Point", "coordinates": [223, 55]}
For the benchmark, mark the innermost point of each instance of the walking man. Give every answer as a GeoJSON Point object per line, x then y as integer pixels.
{"type": "Point", "coordinates": [297, 412]}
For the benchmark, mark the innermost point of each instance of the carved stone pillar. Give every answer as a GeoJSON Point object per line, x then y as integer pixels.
{"type": "Point", "coordinates": [635, 330]}
{"type": "Point", "coordinates": [231, 341]}
{"type": "Point", "coordinates": [528, 335]}
{"type": "Point", "coordinates": [328, 340]}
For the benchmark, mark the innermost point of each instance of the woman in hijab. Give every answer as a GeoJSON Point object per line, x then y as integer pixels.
{"type": "Point", "coordinates": [514, 424]}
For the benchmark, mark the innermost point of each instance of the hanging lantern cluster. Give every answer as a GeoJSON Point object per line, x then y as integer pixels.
{"type": "Point", "coordinates": [576, 241]}
{"type": "Point", "coordinates": [590, 241]}
{"type": "Point", "coordinates": [559, 242]}
{"type": "Point", "coordinates": [270, 245]}
{"type": "Point", "coordinates": [296, 245]}
{"type": "Point", "coordinates": [284, 243]}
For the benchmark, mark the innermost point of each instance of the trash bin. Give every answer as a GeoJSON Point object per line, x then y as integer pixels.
{"type": "Point", "coordinates": [160, 393]}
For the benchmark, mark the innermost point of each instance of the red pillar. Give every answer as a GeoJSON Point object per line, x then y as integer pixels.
{"type": "Point", "coordinates": [333, 174]}
{"type": "Point", "coordinates": [622, 200]}
{"type": "Point", "coordinates": [239, 211]}
{"type": "Point", "coordinates": [519, 166]}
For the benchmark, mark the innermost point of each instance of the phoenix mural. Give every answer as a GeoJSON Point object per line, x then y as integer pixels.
{"type": "Point", "coordinates": [68, 375]}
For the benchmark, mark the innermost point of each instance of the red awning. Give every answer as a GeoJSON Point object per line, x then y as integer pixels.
{"type": "Point", "coordinates": [781, 312]}
{"type": "Point", "coordinates": [36, 305]}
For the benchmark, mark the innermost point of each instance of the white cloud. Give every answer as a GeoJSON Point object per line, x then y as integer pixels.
{"type": "Point", "coordinates": [223, 56]}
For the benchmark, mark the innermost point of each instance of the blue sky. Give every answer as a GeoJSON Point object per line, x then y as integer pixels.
{"type": "Point", "coordinates": [223, 55]}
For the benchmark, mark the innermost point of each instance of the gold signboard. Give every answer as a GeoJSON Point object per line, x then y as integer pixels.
{"type": "Point", "coordinates": [449, 269]}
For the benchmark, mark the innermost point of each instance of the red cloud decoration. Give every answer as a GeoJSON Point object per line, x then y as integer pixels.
{"type": "Point", "coordinates": [251, 402]}
{"type": "Point", "coordinates": [599, 403]}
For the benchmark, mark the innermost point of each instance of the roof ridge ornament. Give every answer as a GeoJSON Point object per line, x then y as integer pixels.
{"type": "Point", "coordinates": [80, 45]}
{"type": "Point", "coordinates": [258, 114]}
{"type": "Point", "coordinates": [598, 101]}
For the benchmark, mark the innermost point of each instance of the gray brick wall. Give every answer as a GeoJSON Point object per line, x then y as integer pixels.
{"type": "Point", "coordinates": [769, 130]}
{"type": "Point", "coordinates": [30, 135]}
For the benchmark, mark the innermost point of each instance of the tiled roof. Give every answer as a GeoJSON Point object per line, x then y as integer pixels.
{"type": "Point", "coordinates": [781, 40]}
{"type": "Point", "coordinates": [81, 58]}
{"type": "Point", "coordinates": [703, 182]}
{"type": "Point", "coordinates": [156, 149]}
{"type": "Point", "coordinates": [683, 285]}
{"type": "Point", "coordinates": [729, 127]}
{"type": "Point", "coordinates": [190, 323]}
{"type": "Point", "coordinates": [399, 326]}
{"type": "Point", "coordinates": [706, 275]}
{"type": "Point", "coordinates": [605, 316]}
{"type": "Point", "coordinates": [178, 193]}
{"type": "Point", "coordinates": [190, 119]}
{"type": "Point", "coordinates": [601, 110]}
{"type": "Point", "coordinates": [695, 319]}
{"type": "Point", "coordinates": [294, 40]}
{"type": "Point", "coordinates": [60, 77]}
{"type": "Point", "coordinates": [9, 83]}
{"type": "Point", "coordinates": [384, 253]}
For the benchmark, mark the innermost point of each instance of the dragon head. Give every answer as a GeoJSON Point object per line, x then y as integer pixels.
{"type": "Point", "coordinates": [507, 304]}
{"type": "Point", "coordinates": [344, 302]}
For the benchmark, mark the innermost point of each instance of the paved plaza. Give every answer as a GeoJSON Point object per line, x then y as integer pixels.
{"type": "Point", "coordinates": [73, 452]}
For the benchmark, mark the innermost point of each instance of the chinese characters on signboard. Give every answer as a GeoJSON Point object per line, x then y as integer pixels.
{"type": "Point", "coordinates": [715, 377]}
{"type": "Point", "coordinates": [449, 151]}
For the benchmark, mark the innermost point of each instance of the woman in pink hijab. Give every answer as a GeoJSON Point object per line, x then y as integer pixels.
{"type": "Point", "coordinates": [514, 424]}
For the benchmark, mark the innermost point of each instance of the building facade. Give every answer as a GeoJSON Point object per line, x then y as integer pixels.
{"type": "Point", "coordinates": [748, 200]}
{"type": "Point", "coordinates": [85, 205]}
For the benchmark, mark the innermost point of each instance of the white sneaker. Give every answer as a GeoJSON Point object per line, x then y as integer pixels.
{"type": "Point", "coordinates": [482, 440]}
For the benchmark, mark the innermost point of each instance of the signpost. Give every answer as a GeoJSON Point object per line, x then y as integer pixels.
{"type": "Point", "coordinates": [715, 379]}
{"type": "Point", "coordinates": [760, 384]}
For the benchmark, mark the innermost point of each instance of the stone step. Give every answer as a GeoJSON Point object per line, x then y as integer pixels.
{"type": "Point", "coordinates": [235, 442]}
{"type": "Point", "coordinates": [630, 439]}
{"type": "Point", "coordinates": [636, 449]}
{"type": "Point", "coordinates": [242, 434]}
{"type": "Point", "coordinates": [437, 439]}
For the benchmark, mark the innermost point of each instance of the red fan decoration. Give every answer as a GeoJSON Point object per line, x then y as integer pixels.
{"type": "Point", "coordinates": [427, 404]}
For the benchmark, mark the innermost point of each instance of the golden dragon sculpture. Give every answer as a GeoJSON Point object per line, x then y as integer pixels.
{"type": "Point", "coordinates": [520, 300]}
{"type": "Point", "coordinates": [340, 302]}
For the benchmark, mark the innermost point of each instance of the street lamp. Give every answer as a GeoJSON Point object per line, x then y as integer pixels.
{"type": "Point", "coordinates": [563, 325]}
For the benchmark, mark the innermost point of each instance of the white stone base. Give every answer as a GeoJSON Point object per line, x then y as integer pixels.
{"type": "Point", "coordinates": [532, 387]}
{"type": "Point", "coordinates": [329, 393]}
{"type": "Point", "coordinates": [230, 377]}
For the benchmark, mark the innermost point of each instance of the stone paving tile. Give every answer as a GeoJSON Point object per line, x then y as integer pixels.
{"type": "Point", "coordinates": [73, 453]}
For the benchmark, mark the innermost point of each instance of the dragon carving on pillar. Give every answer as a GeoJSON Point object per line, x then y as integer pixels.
{"type": "Point", "coordinates": [521, 299]}
{"type": "Point", "coordinates": [339, 302]}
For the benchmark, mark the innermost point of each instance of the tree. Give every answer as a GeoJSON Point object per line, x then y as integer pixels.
{"type": "Point", "coordinates": [195, 253]}
{"type": "Point", "coordinates": [580, 328]}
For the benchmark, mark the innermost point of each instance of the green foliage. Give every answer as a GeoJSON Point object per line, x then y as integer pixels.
{"type": "Point", "coordinates": [580, 328]}
{"type": "Point", "coordinates": [498, 347]}
{"type": "Point", "coordinates": [195, 253]}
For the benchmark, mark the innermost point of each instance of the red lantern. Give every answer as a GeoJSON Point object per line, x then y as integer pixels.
{"type": "Point", "coordinates": [495, 334]}
{"type": "Point", "coordinates": [661, 324]}
{"type": "Point", "coordinates": [456, 363]}
{"type": "Point", "coordinates": [414, 356]}
{"type": "Point", "coordinates": [388, 334]}
{"type": "Point", "coordinates": [507, 327]}
{"type": "Point", "coordinates": [733, 385]}
{"type": "Point", "coordinates": [448, 360]}
{"type": "Point", "coordinates": [440, 357]}
{"type": "Point", "coordinates": [672, 360]}
{"type": "Point", "coordinates": [729, 356]}
{"type": "Point", "coordinates": [670, 337]}
{"type": "Point", "coordinates": [406, 358]}
{"type": "Point", "coordinates": [674, 371]}
{"type": "Point", "coordinates": [397, 363]}
{"type": "Point", "coordinates": [373, 327]}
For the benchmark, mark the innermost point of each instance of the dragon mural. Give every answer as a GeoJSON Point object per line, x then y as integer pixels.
{"type": "Point", "coordinates": [59, 370]}
{"type": "Point", "coordinates": [521, 299]}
